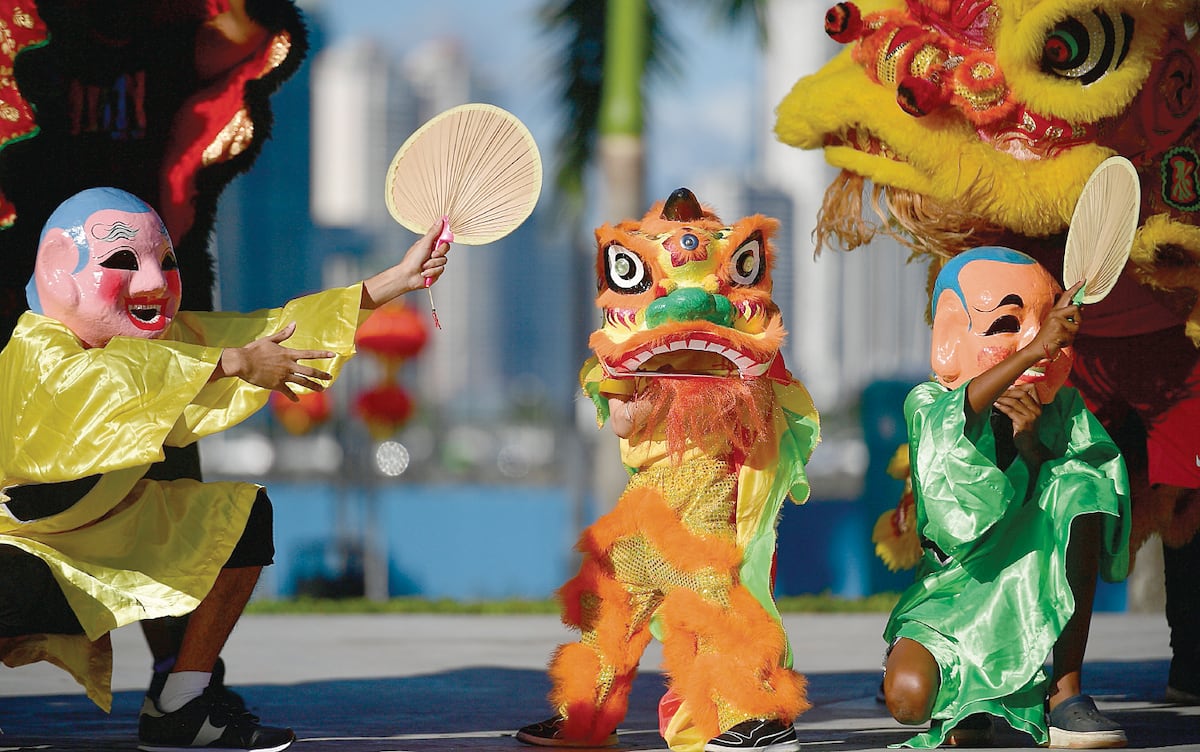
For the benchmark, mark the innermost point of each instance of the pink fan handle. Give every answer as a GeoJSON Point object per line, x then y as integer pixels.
{"type": "Point", "coordinates": [447, 236]}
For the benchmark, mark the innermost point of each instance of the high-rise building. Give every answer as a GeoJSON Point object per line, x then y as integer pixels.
{"type": "Point", "coordinates": [858, 316]}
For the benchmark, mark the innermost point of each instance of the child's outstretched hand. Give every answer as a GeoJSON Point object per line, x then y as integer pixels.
{"type": "Point", "coordinates": [267, 363]}
{"type": "Point", "coordinates": [1060, 327]}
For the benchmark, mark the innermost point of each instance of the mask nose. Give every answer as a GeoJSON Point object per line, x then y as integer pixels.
{"type": "Point", "coordinates": [150, 278]}
{"type": "Point", "coordinates": [690, 304]}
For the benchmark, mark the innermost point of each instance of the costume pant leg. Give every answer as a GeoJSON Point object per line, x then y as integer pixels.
{"type": "Point", "coordinates": [726, 659]}
{"type": "Point", "coordinates": [1183, 614]}
{"type": "Point", "coordinates": [31, 602]}
{"type": "Point", "coordinates": [592, 677]}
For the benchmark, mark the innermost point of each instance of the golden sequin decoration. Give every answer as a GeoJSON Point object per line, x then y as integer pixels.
{"type": "Point", "coordinates": [701, 492]}
{"type": "Point", "coordinates": [233, 139]}
{"type": "Point", "coordinates": [886, 65]}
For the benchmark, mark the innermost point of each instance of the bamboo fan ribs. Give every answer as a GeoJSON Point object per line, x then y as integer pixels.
{"type": "Point", "coordinates": [476, 165]}
{"type": "Point", "coordinates": [1102, 229]}
{"type": "Point", "coordinates": [475, 168]}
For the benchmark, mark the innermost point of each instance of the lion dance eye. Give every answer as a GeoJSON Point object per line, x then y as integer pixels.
{"type": "Point", "coordinates": [625, 271]}
{"type": "Point", "coordinates": [1087, 47]}
{"type": "Point", "coordinates": [689, 242]}
{"type": "Point", "coordinates": [746, 266]}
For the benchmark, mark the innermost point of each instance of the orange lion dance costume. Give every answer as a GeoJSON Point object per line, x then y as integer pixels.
{"type": "Point", "coordinates": [689, 354]}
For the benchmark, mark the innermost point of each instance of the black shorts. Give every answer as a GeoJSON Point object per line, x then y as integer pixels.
{"type": "Point", "coordinates": [31, 601]}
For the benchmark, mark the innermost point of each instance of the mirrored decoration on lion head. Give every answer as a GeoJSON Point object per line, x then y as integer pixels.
{"type": "Point", "coordinates": [684, 294]}
{"type": "Point", "coordinates": [106, 267]}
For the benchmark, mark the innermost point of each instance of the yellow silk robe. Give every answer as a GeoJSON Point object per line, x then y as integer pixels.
{"type": "Point", "coordinates": [132, 548]}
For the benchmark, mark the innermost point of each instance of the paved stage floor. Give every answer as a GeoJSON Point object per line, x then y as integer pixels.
{"type": "Point", "coordinates": [428, 683]}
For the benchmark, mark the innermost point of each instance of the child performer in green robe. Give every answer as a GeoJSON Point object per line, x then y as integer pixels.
{"type": "Point", "coordinates": [1022, 499]}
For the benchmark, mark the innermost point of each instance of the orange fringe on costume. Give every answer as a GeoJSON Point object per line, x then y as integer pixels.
{"type": "Point", "coordinates": [642, 511]}
{"type": "Point", "coordinates": [694, 413]}
{"type": "Point", "coordinates": [723, 651]}
{"type": "Point", "coordinates": [729, 654]}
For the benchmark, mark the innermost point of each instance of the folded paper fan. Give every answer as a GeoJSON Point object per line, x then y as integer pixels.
{"type": "Point", "coordinates": [1102, 229]}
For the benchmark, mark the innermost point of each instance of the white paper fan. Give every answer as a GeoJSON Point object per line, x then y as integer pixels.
{"type": "Point", "coordinates": [1102, 229]}
{"type": "Point", "coordinates": [476, 165]}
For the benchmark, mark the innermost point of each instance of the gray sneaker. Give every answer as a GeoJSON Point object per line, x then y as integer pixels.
{"type": "Point", "coordinates": [1077, 724]}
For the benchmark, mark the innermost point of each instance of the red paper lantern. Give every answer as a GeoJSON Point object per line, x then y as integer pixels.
{"type": "Point", "coordinates": [312, 409]}
{"type": "Point", "coordinates": [384, 409]}
{"type": "Point", "coordinates": [393, 331]}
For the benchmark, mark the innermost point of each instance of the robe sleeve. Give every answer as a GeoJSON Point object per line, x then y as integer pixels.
{"type": "Point", "coordinates": [1088, 463]}
{"type": "Point", "coordinates": [960, 491]}
{"type": "Point", "coordinates": [71, 412]}
{"type": "Point", "coordinates": [326, 320]}
{"type": "Point", "coordinates": [74, 412]}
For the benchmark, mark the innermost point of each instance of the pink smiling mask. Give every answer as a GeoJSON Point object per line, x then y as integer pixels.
{"type": "Point", "coordinates": [106, 267]}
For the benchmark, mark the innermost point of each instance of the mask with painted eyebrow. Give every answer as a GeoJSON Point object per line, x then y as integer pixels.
{"type": "Point", "coordinates": [989, 310]}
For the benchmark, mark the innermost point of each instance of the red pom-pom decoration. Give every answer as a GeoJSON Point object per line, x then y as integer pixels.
{"type": "Point", "coordinates": [843, 23]}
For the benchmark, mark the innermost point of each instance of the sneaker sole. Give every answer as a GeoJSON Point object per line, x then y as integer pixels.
{"type": "Point", "coordinates": [791, 745]}
{"type": "Point", "coordinates": [166, 748]}
{"type": "Point", "coordinates": [1181, 697]}
{"type": "Point", "coordinates": [1063, 739]}
{"type": "Point", "coordinates": [542, 741]}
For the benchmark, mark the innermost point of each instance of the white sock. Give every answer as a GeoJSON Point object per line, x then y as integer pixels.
{"type": "Point", "coordinates": [181, 688]}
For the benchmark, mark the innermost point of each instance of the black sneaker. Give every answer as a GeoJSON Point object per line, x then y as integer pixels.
{"type": "Point", "coordinates": [763, 735]}
{"type": "Point", "coordinates": [1077, 724]}
{"type": "Point", "coordinates": [548, 733]}
{"type": "Point", "coordinates": [975, 730]}
{"type": "Point", "coordinates": [210, 723]}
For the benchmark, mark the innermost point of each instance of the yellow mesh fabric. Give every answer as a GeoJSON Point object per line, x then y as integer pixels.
{"type": "Point", "coordinates": [700, 491]}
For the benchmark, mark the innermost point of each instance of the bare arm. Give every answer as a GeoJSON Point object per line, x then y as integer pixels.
{"type": "Point", "coordinates": [267, 363]}
{"type": "Point", "coordinates": [425, 260]}
{"type": "Point", "coordinates": [1058, 331]}
{"type": "Point", "coordinates": [1023, 408]}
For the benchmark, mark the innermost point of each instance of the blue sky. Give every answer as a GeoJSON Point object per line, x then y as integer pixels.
{"type": "Point", "coordinates": [703, 121]}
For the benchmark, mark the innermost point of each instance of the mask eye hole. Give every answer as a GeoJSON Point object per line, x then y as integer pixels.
{"type": "Point", "coordinates": [625, 271]}
{"type": "Point", "coordinates": [169, 264]}
{"type": "Point", "coordinates": [747, 264]}
{"type": "Point", "coordinates": [1007, 324]}
{"type": "Point", "coordinates": [123, 259]}
{"type": "Point", "coordinates": [1086, 47]}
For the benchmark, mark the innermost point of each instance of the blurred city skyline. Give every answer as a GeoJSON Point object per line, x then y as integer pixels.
{"type": "Point", "coordinates": [516, 313]}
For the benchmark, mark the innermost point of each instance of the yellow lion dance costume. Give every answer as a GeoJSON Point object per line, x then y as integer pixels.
{"type": "Point", "coordinates": [978, 123]}
{"type": "Point", "coordinates": [691, 337]}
